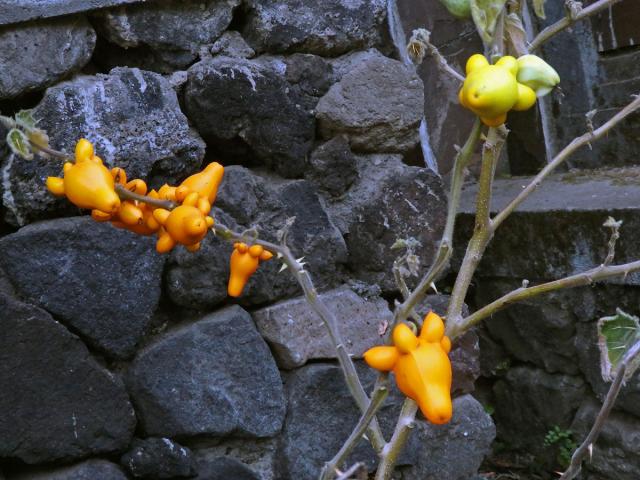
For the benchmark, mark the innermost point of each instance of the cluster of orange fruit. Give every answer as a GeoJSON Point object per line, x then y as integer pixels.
{"type": "Point", "coordinates": [88, 184]}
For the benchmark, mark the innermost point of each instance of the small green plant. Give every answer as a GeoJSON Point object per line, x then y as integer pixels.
{"type": "Point", "coordinates": [563, 440]}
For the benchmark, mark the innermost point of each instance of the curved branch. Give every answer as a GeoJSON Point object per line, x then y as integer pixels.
{"type": "Point", "coordinates": [567, 21]}
{"type": "Point", "coordinates": [603, 414]}
{"type": "Point", "coordinates": [596, 274]}
{"type": "Point", "coordinates": [577, 143]}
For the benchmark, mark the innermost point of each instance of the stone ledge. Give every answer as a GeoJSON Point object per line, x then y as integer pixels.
{"type": "Point", "coordinates": [558, 230]}
{"type": "Point", "coordinates": [607, 189]}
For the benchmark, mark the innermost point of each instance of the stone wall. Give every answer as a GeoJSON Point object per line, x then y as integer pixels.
{"type": "Point", "coordinates": [116, 362]}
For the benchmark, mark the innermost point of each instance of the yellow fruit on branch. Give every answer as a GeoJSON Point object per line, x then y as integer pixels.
{"type": "Point", "coordinates": [421, 366]}
{"type": "Point", "coordinates": [87, 183]}
{"type": "Point", "coordinates": [244, 263]}
{"type": "Point", "coordinates": [491, 91]}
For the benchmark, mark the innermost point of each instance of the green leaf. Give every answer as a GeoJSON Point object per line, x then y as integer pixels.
{"type": "Point", "coordinates": [538, 7]}
{"type": "Point", "coordinates": [19, 143]}
{"type": "Point", "coordinates": [616, 335]}
{"type": "Point", "coordinates": [25, 119]}
{"type": "Point", "coordinates": [485, 15]}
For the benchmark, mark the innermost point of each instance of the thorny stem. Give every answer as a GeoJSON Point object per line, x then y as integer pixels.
{"type": "Point", "coordinates": [402, 285]}
{"type": "Point", "coordinates": [596, 274]}
{"type": "Point", "coordinates": [445, 249]}
{"type": "Point", "coordinates": [378, 397]}
{"type": "Point", "coordinates": [571, 17]}
{"type": "Point", "coordinates": [603, 414]}
{"type": "Point", "coordinates": [311, 294]}
{"type": "Point", "coordinates": [420, 44]}
{"type": "Point", "coordinates": [483, 230]}
{"type": "Point", "coordinates": [575, 144]}
{"type": "Point", "coordinates": [392, 450]}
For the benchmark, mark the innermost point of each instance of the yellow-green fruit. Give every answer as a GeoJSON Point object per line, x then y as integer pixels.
{"type": "Point", "coordinates": [526, 98]}
{"type": "Point", "coordinates": [490, 91]}
{"type": "Point", "coordinates": [475, 62]}
{"type": "Point", "coordinates": [537, 74]}
{"type": "Point", "coordinates": [510, 63]}
{"type": "Point", "coordinates": [458, 8]}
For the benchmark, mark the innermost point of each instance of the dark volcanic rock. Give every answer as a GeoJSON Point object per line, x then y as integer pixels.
{"type": "Point", "coordinates": [135, 122]}
{"type": "Point", "coordinates": [296, 334]}
{"type": "Point", "coordinates": [326, 28]}
{"type": "Point", "coordinates": [319, 402]}
{"type": "Point", "coordinates": [453, 451]}
{"type": "Point", "coordinates": [35, 9]}
{"type": "Point", "coordinates": [89, 470]}
{"type": "Point", "coordinates": [199, 280]}
{"type": "Point", "coordinates": [378, 105]}
{"type": "Point", "coordinates": [101, 281]}
{"type": "Point", "coordinates": [157, 458]}
{"type": "Point", "coordinates": [214, 377]}
{"type": "Point", "coordinates": [389, 201]}
{"type": "Point", "coordinates": [533, 401]}
{"type": "Point", "coordinates": [538, 331]}
{"type": "Point", "coordinates": [332, 166]}
{"type": "Point", "coordinates": [57, 402]}
{"type": "Point", "coordinates": [39, 54]}
{"type": "Point", "coordinates": [248, 109]}
{"type": "Point", "coordinates": [164, 35]}
{"type": "Point", "coordinates": [231, 44]}
{"type": "Point", "coordinates": [225, 468]}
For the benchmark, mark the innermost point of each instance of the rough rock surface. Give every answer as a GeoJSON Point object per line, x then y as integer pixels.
{"type": "Point", "coordinates": [43, 53]}
{"type": "Point", "coordinates": [215, 377]}
{"type": "Point", "coordinates": [199, 280]}
{"type": "Point", "coordinates": [534, 331]}
{"type": "Point", "coordinates": [328, 28]}
{"type": "Point", "coordinates": [455, 450]}
{"type": "Point", "coordinates": [131, 116]}
{"type": "Point", "coordinates": [88, 470]}
{"type": "Point", "coordinates": [57, 403]}
{"type": "Point", "coordinates": [102, 282]}
{"type": "Point", "coordinates": [231, 44]}
{"type": "Point", "coordinates": [296, 334]}
{"type": "Point", "coordinates": [465, 361]}
{"type": "Point", "coordinates": [158, 458]}
{"type": "Point", "coordinates": [36, 9]}
{"type": "Point", "coordinates": [378, 105]}
{"type": "Point", "coordinates": [165, 35]}
{"type": "Point", "coordinates": [248, 109]}
{"type": "Point", "coordinates": [534, 401]}
{"type": "Point", "coordinates": [389, 201]}
{"type": "Point", "coordinates": [615, 454]}
{"type": "Point", "coordinates": [254, 454]}
{"type": "Point", "coordinates": [225, 468]}
{"type": "Point", "coordinates": [319, 402]}
{"type": "Point", "coordinates": [332, 166]}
